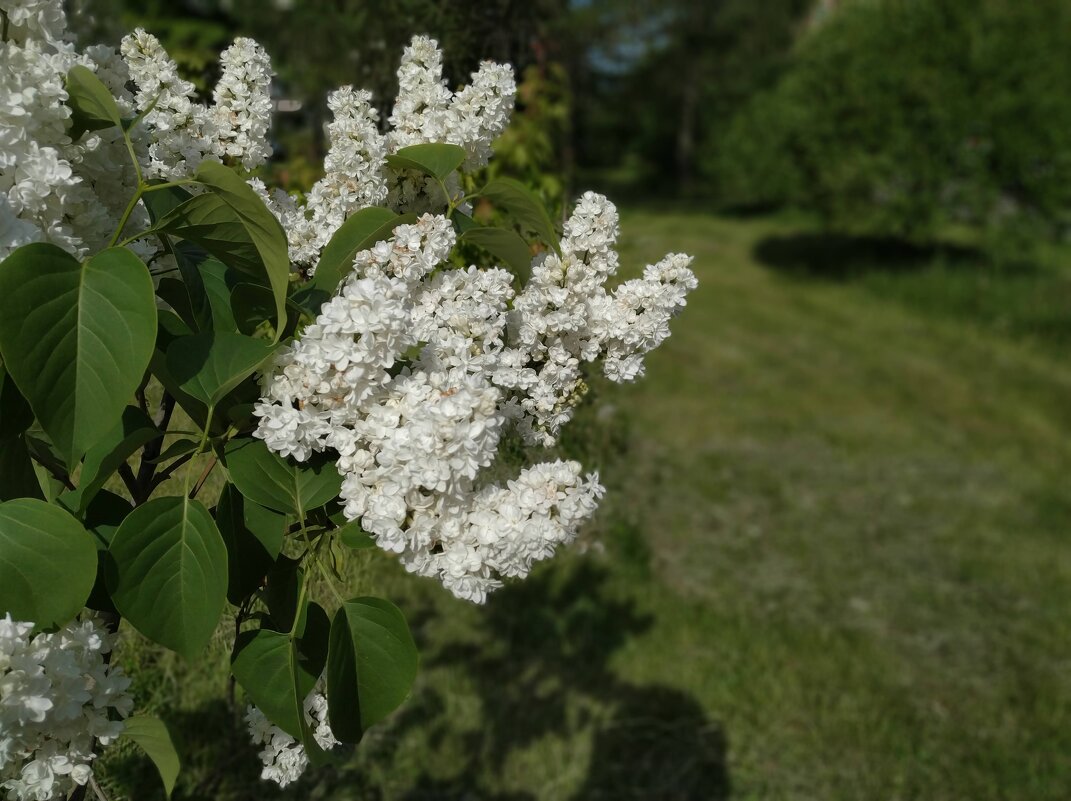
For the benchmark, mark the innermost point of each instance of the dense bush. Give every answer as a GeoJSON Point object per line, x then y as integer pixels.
{"type": "Point", "coordinates": [898, 116]}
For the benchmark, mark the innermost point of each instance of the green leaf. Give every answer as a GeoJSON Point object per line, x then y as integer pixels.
{"type": "Point", "coordinates": [263, 230]}
{"type": "Point", "coordinates": [209, 365]}
{"type": "Point", "coordinates": [355, 537]}
{"type": "Point", "coordinates": [523, 206]}
{"type": "Point", "coordinates": [283, 596]}
{"type": "Point", "coordinates": [151, 735]}
{"type": "Point", "coordinates": [15, 413]}
{"type": "Point", "coordinates": [171, 328]}
{"type": "Point", "coordinates": [281, 484]}
{"type": "Point", "coordinates": [92, 105]}
{"type": "Point", "coordinates": [371, 665]}
{"type": "Point", "coordinates": [268, 526]}
{"type": "Point", "coordinates": [353, 236]}
{"type": "Point", "coordinates": [170, 573]}
{"type": "Point", "coordinates": [76, 338]}
{"type": "Point", "coordinates": [436, 159]}
{"type": "Point", "coordinates": [252, 304]}
{"type": "Point", "coordinates": [105, 513]}
{"type": "Point", "coordinates": [160, 202]}
{"type": "Point", "coordinates": [103, 459]}
{"type": "Point", "coordinates": [47, 563]}
{"type": "Point", "coordinates": [314, 640]}
{"type": "Point", "coordinates": [175, 294]}
{"type": "Point", "coordinates": [505, 245]}
{"type": "Point", "coordinates": [248, 559]}
{"type": "Point", "coordinates": [216, 281]}
{"type": "Point", "coordinates": [276, 677]}
{"type": "Point", "coordinates": [18, 479]}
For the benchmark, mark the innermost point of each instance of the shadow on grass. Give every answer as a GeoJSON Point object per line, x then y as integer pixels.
{"type": "Point", "coordinates": [841, 257]}
{"type": "Point", "coordinates": [542, 671]}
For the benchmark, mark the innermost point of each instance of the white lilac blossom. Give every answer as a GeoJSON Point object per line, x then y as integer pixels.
{"type": "Point", "coordinates": [284, 758]}
{"type": "Point", "coordinates": [243, 104]}
{"type": "Point", "coordinates": [414, 370]}
{"type": "Point", "coordinates": [72, 191]}
{"type": "Point", "coordinates": [427, 111]}
{"type": "Point", "coordinates": [52, 188]}
{"type": "Point", "coordinates": [185, 132]}
{"type": "Point", "coordinates": [354, 178]}
{"type": "Point", "coordinates": [355, 171]}
{"type": "Point", "coordinates": [58, 697]}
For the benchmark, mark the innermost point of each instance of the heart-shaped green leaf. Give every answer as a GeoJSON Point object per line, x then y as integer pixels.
{"type": "Point", "coordinates": [76, 338]}
{"type": "Point", "coordinates": [210, 364]}
{"type": "Point", "coordinates": [371, 665]}
{"type": "Point", "coordinates": [276, 677]}
{"type": "Point", "coordinates": [48, 563]}
{"type": "Point", "coordinates": [151, 736]}
{"type": "Point", "coordinates": [263, 229]}
{"type": "Point", "coordinates": [436, 159]}
{"type": "Point", "coordinates": [248, 558]}
{"type": "Point", "coordinates": [169, 576]}
{"type": "Point", "coordinates": [277, 483]}
{"type": "Point", "coordinates": [92, 105]}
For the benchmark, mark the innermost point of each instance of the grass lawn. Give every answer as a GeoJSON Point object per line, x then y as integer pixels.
{"type": "Point", "coordinates": [833, 563]}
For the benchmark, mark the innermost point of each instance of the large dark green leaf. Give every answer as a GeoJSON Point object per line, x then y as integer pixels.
{"type": "Point", "coordinates": [264, 231]}
{"type": "Point", "coordinates": [209, 365]}
{"type": "Point", "coordinates": [281, 484]}
{"type": "Point", "coordinates": [171, 328]}
{"type": "Point", "coordinates": [47, 563]}
{"type": "Point", "coordinates": [504, 244]}
{"type": "Point", "coordinates": [18, 479]}
{"type": "Point", "coordinates": [15, 413]}
{"type": "Point", "coordinates": [248, 557]}
{"type": "Point", "coordinates": [276, 677]}
{"type": "Point", "coordinates": [252, 304]}
{"type": "Point", "coordinates": [92, 105]}
{"type": "Point", "coordinates": [103, 459]}
{"type": "Point", "coordinates": [371, 665]}
{"type": "Point", "coordinates": [103, 516]}
{"type": "Point", "coordinates": [354, 235]}
{"type": "Point", "coordinates": [436, 159]}
{"type": "Point", "coordinates": [76, 338]}
{"type": "Point", "coordinates": [207, 282]}
{"type": "Point", "coordinates": [287, 610]}
{"type": "Point", "coordinates": [522, 204]}
{"type": "Point", "coordinates": [151, 736]}
{"type": "Point", "coordinates": [170, 573]}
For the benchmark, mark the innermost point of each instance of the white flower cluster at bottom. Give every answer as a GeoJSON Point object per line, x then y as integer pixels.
{"type": "Point", "coordinates": [284, 757]}
{"type": "Point", "coordinates": [57, 696]}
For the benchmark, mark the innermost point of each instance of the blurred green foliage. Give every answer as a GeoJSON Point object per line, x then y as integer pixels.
{"type": "Point", "coordinates": [898, 118]}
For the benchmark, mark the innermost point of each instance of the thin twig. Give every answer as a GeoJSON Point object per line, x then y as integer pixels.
{"type": "Point", "coordinates": [96, 788]}
{"type": "Point", "coordinates": [204, 477]}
